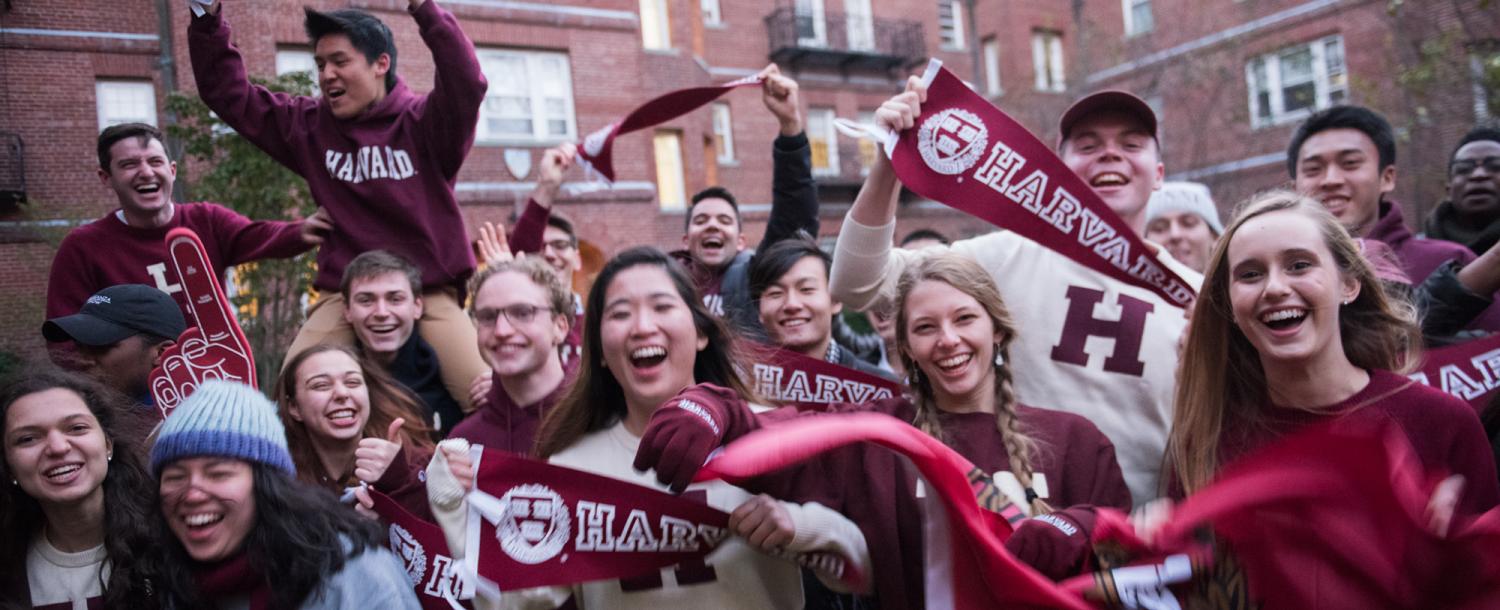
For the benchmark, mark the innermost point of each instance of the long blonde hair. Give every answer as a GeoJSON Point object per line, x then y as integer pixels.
{"type": "Point", "coordinates": [1220, 374]}
{"type": "Point", "coordinates": [968, 277]}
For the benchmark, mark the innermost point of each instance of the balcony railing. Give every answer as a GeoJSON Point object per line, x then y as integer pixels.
{"type": "Point", "coordinates": [843, 41]}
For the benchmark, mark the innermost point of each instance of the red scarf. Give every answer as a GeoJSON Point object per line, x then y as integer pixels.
{"type": "Point", "coordinates": [233, 578]}
{"type": "Point", "coordinates": [596, 152]}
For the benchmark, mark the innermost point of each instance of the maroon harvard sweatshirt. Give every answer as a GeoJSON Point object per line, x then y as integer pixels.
{"type": "Point", "coordinates": [107, 252]}
{"type": "Point", "coordinates": [386, 176]}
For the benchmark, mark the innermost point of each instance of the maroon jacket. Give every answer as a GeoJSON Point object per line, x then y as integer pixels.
{"type": "Point", "coordinates": [1444, 432]}
{"type": "Point", "coordinates": [107, 252]}
{"type": "Point", "coordinates": [1420, 256]}
{"type": "Point", "coordinates": [504, 425]}
{"type": "Point", "coordinates": [529, 236]}
{"type": "Point", "coordinates": [386, 176]}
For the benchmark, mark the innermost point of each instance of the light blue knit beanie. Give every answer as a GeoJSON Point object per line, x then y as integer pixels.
{"type": "Point", "coordinates": [224, 419]}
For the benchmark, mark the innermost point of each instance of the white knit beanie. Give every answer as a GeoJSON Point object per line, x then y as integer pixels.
{"type": "Point", "coordinates": [1185, 197]}
{"type": "Point", "coordinates": [225, 419]}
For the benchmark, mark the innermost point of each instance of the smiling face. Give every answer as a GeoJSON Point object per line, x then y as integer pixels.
{"type": "Point", "coordinates": [560, 250]}
{"type": "Point", "coordinates": [1186, 237]}
{"type": "Point", "coordinates": [952, 340]}
{"type": "Point", "coordinates": [55, 448]}
{"type": "Point", "coordinates": [1476, 192]}
{"type": "Point", "coordinates": [209, 504]}
{"type": "Point", "coordinates": [647, 337]}
{"type": "Point", "coordinates": [1285, 290]}
{"type": "Point", "coordinates": [713, 232]}
{"type": "Point", "coordinates": [517, 347]}
{"type": "Point", "coordinates": [330, 397]}
{"type": "Point", "coordinates": [1341, 169]}
{"type": "Point", "coordinates": [125, 365]}
{"type": "Point", "coordinates": [384, 312]}
{"type": "Point", "coordinates": [797, 310]}
{"type": "Point", "coordinates": [350, 83]}
{"type": "Point", "coordinates": [1116, 155]}
{"type": "Point", "coordinates": [141, 175]}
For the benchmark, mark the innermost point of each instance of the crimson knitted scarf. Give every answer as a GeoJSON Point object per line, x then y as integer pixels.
{"type": "Point", "coordinates": [233, 578]}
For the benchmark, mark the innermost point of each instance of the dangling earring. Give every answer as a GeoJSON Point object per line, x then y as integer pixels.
{"type": "Point", "coordinates": [999, 357]}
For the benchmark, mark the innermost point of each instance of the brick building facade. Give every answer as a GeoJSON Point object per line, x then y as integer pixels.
{"type": "Point", "coordinates": [561, 69]}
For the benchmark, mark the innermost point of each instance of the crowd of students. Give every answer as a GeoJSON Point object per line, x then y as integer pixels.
{"type": "Point", "coordinates": [1071, 389]}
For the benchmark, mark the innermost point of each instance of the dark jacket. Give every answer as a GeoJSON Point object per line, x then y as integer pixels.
{"type": "Point", "coordinates": [416, 367]}
{"type": "Point", "coordinates": [1421, 257]}
{"type": "Point", "coordinates": [1444, 223]}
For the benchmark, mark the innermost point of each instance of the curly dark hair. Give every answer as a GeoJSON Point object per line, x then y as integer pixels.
{"type": "Point", "coordinates": [302, 536]}
{"type": "Point", "coordinates": [128, 493]}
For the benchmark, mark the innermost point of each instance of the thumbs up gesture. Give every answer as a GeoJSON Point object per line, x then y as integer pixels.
{"type": "Point", "coordinates": [375, 455]}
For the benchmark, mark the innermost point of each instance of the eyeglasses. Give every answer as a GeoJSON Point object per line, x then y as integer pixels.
{"type": "Point", "coordinates": [560, 245]}
{"type": "Point", "coordinates": [1467, 166]}
{"type": "Point", "coordinates": [518, 314]}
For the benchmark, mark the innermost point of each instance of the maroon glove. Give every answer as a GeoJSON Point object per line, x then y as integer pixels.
{"type": "Point", "coordinates": [1055, 544]}
{"type": "Point", "coordinates": [684, 430]}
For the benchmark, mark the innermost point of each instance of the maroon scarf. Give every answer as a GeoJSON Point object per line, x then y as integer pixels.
{"type": "Point", "coordinates": [596, 152]}
{"type": "Point", "coordinates": [233, 578]}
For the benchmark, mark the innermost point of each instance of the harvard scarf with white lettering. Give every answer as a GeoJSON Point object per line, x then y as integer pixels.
{"type": "Point", "coordinates": [966, 153]}
{"type": "Point", "coordinates": [533, 524]}
{"type": "Point", "coordinates": [789, 378]}
{"type": "Point", "coordinates": [966, 561]}
{"type": "Point", "coordinates": [1469, 370]}
{"type": "Point", "coordinates": [596, 152]}
{"type": "Point", "coordinates": [424, 553]}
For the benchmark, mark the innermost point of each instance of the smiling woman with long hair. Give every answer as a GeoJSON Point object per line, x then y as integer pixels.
{"type": "Point", "coordinates": [239, 529]}
{"type": "Point", "coordinates": [75, 498]}
{"type": "Point", "coordinates": [647, 336]}
{"type": "Point", "coordinates": [1293, 328]}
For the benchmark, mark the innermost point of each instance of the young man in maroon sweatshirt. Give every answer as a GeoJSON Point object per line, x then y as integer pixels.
{"type": "Point", "coordinates": [381, 159]}
{"type": "Point", "coordinates": [128, 245]}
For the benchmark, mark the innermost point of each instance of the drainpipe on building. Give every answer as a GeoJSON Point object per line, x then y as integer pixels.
{"type": "Point", "coordinates": [166, 64]}
{"type": "Point", "coordinates": [974, 57]}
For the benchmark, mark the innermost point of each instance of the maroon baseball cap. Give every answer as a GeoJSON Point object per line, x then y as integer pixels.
{"type": "Point", "coordinates": [1119, 101]}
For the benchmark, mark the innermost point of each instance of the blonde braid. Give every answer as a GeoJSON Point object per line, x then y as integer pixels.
{"type": "Point", "coordinates": [1018, 446]}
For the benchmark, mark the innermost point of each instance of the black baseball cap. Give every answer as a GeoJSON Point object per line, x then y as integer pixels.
{"type": "Point", "coordinates": [115, 313]}
{"type": "Point", "coordinates": [1115, 100]}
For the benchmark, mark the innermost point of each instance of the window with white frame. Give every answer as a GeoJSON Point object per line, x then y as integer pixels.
{"type": "Point", "coordinates": [530, 99]}
{"type": "Point", "coordinates": [125, 101]}
{"type": "Point", "coordinates": [859, 25]}
{"type": "Point", "coordinates": [723, 133]}
{"type": "Point", "coordinates": [951, 23]}
{"type": "Point", "coordinates": [671, 190]}
{"type": "Point", "coordinates": [991, 52]}
{"type": "Point", "coordinates": [1047, 60]}
{"type": "Point", "coordinates": [1292, 83]}
{"type": "Point", "coordinates": [812, 30]}
{"type": "Point", "coordinates": [1138, 19]}
{"type": "Point", "coordinates": [868, 154]}
{"type": "Point", "coordinates": [290, 60]}
{"type": "Point", "coordinates": [712, 15]}
{"type": "Point", "coordinates": [655, 31]}
{"type": "Point", "coordinates": [823, 140]}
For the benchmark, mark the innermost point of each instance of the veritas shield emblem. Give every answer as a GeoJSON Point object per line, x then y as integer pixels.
{"type": "Point", "coordinates": [535, 526]}
{"type": "Point", "coordinates": [518, 162]}
{"type": "Point", "coordinates": [411, 553]}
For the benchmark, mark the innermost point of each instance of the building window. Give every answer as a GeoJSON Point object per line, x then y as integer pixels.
{"type": "Point", "coordinates": [122, 101]}
{"type": "Point", "coordinates": [868, 153]}
{"type": "Point", "coordinates": [723, 133]}
{"type": "Point", "coordinates": [536, 103]}
{"type": "Point", "coordinates": [1047, 60]}
{"type": "Point", "coordinates": [812, 30]}
{"type": "Point", "coordinates": [951, 24]}
{"type": "Point", "coordinates": [859, 24]}
{"type": "Point", "coordinates": [1138, 18]}
{"type": "Point", "coordinates": [670, 190]}
{"type": "Point", "coordinates": [656, 32]}
{"type": "Point", "coordinates": [290, 60]}
{"type": "Point", "coordinates": [992, 67]}
{"type": "Point", "coordinates": [711, 13]}
{"type": "Point", "coordinates": [824, 141]}
{"type": "Point", "coordinates": [1289, 84]}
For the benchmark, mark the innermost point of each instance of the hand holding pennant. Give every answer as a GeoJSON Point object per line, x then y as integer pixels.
{"type": "Point", "coordinates": [214, 347]}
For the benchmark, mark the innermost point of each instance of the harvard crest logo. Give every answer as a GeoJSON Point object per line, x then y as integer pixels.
{"type": "Point", "coordinates": [412, 555]}
{"type": "Point", "coordinates": [952, 141]}
{"type": "Point", "coordinates": [535, 526]}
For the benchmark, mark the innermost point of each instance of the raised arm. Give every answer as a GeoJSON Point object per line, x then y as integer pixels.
{"type": "Point", "coordinates": [527, 236]}
{"type": "Point", "coordinates": [794, 195]}
{"type": "Point", "coordinates": [244, 240]}
{"type": "Point", "coordinates": [266, 119]}
{"type": "Point", "coordinates": [863, 260]}
{"type": "Point", "coordinates": [458, 87]}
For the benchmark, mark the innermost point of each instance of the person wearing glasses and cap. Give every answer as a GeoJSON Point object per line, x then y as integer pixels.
{"type": "Point", "coordinates": [120, 334]}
